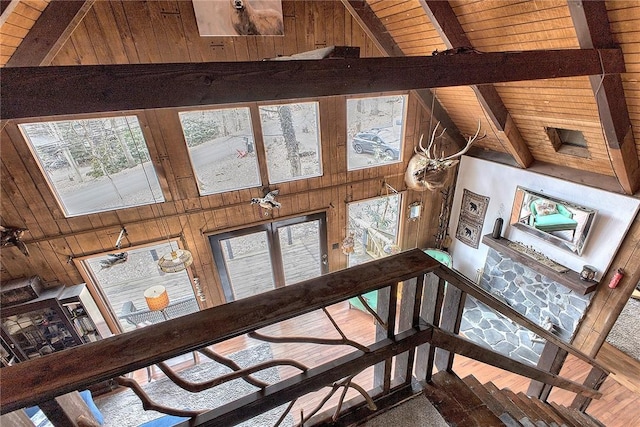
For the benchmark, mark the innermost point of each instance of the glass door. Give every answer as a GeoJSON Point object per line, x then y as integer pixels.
{"type": "Point", "coordinates": [262, 258]}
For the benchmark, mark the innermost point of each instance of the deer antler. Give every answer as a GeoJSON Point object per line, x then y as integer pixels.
{"type": "Point", "coordinates": [470, 141]}
{"type": "Point", "coordinates": [427, 151]}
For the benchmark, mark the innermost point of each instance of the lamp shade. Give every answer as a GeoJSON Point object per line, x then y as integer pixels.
{"type": "Point", "coordinates": [157, 298]}
{"type": "Point", "coordinates": [175, 261]}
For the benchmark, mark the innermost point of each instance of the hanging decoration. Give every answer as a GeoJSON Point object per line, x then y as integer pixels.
{"type": "Point", "coordinates": [113, 259]}
{"type": "Point", "coordinates": [348, 244]}
{"type": "Point", "coordinates": [268, 202]}
{"type": "Point", "coordinates": [391, 249]}
{"type": "Point", "coordinates": [175, 261]}
{"type": "Point", "coordinates": [12, 236]}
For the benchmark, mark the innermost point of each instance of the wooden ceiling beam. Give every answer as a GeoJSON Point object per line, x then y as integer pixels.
{"type": "Point", "coordinates": [592, 28]}
{"type": "Point", "coordinates": [362, 13]}
{"type": "Point", "coordinates": [451, 32]}
{"type": "Point", "coordinates": [49, 33]}
{"type": "Point", "coordinates": [50, 91]}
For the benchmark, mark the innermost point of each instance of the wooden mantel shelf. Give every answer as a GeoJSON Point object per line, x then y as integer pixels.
{"type": "Point", "coordinates": [570, 278]}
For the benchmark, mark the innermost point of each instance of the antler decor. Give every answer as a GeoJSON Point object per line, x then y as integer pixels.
{"type": "Point", "coordinates": [427, 171]}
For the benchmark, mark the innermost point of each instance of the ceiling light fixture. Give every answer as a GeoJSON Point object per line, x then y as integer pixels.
{"type": "Point", "coordinates": [175, 261]}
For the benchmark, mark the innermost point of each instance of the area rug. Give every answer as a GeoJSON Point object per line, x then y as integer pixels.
{"type": "Point", "coordinates": [415, 412]}
{"type": "Point", "coordinates": [626, 330]}
{"type": "Point", "coordinates": [125, 410]}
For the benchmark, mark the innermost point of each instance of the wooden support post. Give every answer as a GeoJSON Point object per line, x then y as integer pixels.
{"type": "Point", "coordinates": [551, 360]}
{"type": "Point", "coordinates": [67, 410]}
{"type": "Point", "coordinates": [391, 331]}
{"type": "Point", "coordinates": [404, 362]}
{"type": "Point", "coordinates": [594, 380]}
{"type": "Point", "coordinates": [16, 419]}
{"type": "Point", "coordinates": [381, 334]}
{"type": "Point", "coordinates": [451, 316]}
{"type": "Point", "coordinates": [430, 312]}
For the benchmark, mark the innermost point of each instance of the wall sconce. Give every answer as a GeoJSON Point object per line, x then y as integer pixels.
{"type": "Point", "coordinates": [415, 210]}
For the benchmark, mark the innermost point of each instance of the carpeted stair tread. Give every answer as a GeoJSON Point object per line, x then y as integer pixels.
{"type": "Point", "coordinates": [530, 411]}
{"type": "Point", "coordinates": [492, 403]}
{"type": "Point", "coordinates": [457, 403]}
{"type": "Point", "coordinates": [511, 407]}
{"type": "Point", "coordinates": [557, 420]}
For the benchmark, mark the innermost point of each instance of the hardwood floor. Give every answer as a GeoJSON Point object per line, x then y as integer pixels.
{"type": "Point", "coordinates": [618, 407]}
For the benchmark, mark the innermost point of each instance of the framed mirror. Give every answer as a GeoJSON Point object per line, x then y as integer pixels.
{"type": "Point", "coordinates": [562, 223]}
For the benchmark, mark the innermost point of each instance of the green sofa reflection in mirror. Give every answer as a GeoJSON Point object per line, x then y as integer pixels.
{"type": "Point", "coordinates": [371, 298]}
{"type": "Point", "coordinates": [550, 216]}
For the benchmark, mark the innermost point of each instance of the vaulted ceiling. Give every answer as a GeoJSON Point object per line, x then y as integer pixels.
{"type": "Point", "coordinates": [460, 89]}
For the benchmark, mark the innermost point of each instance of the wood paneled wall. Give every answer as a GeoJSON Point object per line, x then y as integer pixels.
{"type": "Point", "coordinates": [123, 31]}
{"type": "Point", "coordinates": [27, 201]}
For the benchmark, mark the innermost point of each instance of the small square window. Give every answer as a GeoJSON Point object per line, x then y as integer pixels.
{"type": "Point", "coordinates": [567, 141]}
{"type": "Point", "coordinates": [375, 131]}
{"type": "Point", "coordinates": [222, 149]}
{"type": "Point", "coordinates": [95, 165]}
{"type": "Point", "coordinates": [291, 135]}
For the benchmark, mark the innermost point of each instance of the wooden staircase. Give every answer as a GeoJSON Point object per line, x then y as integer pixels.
{"type": "Point", "coordinates": [467, 402]}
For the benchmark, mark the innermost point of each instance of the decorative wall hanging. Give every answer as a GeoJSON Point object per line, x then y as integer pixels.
{"type": "Point", "coordinates": [348, 244]}
{"type": "Point", "coordinates": [239, 17]}
{"type": "Point", "coordinates": [268, 202]}
{"type": "Point", "coordinates": [472, 212]}
{"type": "Point", "coordinates": [12, 236]}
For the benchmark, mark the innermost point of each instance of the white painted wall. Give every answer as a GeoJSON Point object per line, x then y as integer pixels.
{"type": "Point", "coordinates": [499, 182]}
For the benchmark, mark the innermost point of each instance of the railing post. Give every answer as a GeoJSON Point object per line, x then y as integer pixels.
{"type": "Point", "coordinates": [64, 410]}
{"type": "Point", "coordinates": [409, 304]}
{"type": "Point", "coordinates": [452, 310]}
{"type": "Point", "coordinates": [432, 298]}
{"type": "Point", "coordinates": [381, 333]}
{"type": "Point", "coordinates": [551, 360]}
{"type": "Point", "coordinates": [594, 380]}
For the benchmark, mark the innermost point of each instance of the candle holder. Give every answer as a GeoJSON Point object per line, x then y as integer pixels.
{"type": "Point", "coordinates": [588, 273]}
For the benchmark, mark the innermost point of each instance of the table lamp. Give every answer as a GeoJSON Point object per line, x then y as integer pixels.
{"type": "Point", "coordinates": [157, 299]}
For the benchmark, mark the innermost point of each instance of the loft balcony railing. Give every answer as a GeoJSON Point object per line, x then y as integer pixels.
{"type": "Point", "coordinates": [417, 316]}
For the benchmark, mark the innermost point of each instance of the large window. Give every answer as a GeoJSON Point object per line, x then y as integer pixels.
{"type": "Point", "coordinates": [292, 141]}
{"type": "Point", "coordinates": [122, 277]}
{"type": "Point", "coordinates": [222, 149]}
{"type": "Point", "coordinates": [374, 224]}
{"type": "Point", "coordinates": [375, 131]}
{"type": "Point", "coordinates": [95, 165]}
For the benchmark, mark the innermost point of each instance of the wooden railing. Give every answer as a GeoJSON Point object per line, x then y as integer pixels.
{"type": "Point", "coordinates": [415, 330]}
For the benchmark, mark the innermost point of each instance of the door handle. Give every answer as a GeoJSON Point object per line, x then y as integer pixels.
{"type": "Point", "coordinates": [325, 260]}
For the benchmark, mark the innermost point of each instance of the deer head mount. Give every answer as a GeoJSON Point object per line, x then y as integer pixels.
{"type": "Point", "coordinates": [427, 171]}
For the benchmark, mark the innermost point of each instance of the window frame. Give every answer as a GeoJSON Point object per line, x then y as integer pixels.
{"type": "Point", "coordinates": [42, 179]}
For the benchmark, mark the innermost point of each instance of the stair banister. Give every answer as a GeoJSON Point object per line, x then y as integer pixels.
{"type": "Point", "coordinates": [42, 379]}
{"type": "Point", "coordinates": [58, 373]}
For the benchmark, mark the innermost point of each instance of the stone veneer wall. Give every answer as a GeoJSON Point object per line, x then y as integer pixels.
{"type": "Point", "coordinates": [533, 295]}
